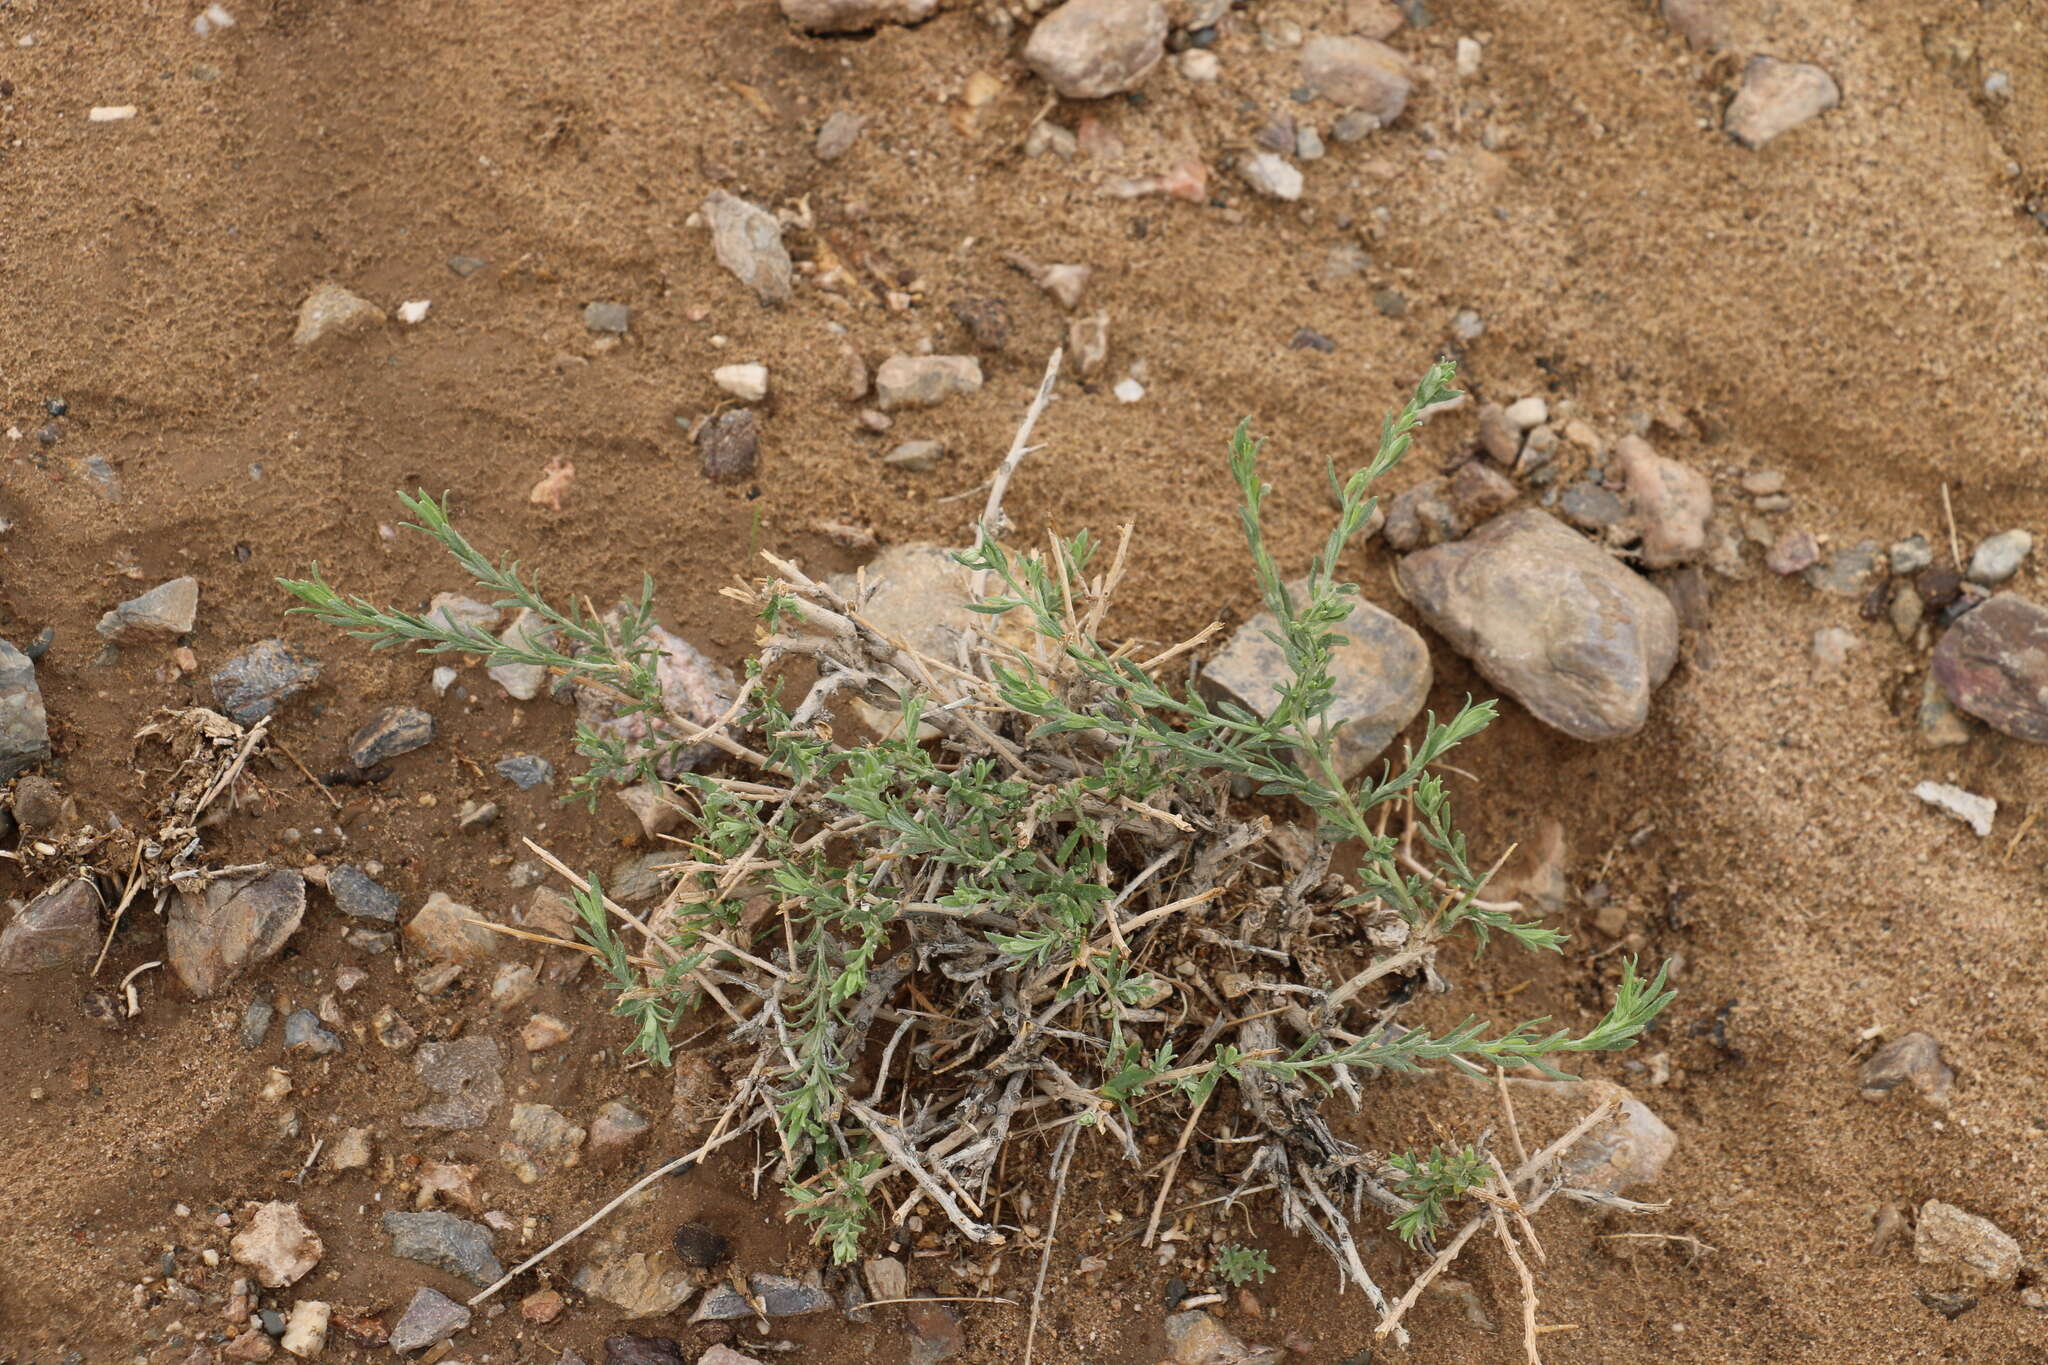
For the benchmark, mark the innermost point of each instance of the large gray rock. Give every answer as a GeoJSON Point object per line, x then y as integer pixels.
{"type": "Point", "coordinates": [212, 936]}
{"type": "Point", "coordinates": [445, 1242]}
{"type": "Point", "coordinates": [1381, 679]}
{"type": "Point", "coordinates": [1776, 97]}
{"type": "Point", "coordinates": [60, 928]}
{"type": "Point", "coordinates": [1358, 73]}
{"type": "Point", "coordinates": [1551, 620]}
{"type": "Point", "coordinates": [1087, 49]}
{"type": "Point", "coordinates": [748, 242]}
{"type": "Point", "coordinates": [261, 678]}
{"type": "Point", "coordinates": [24, 725]}
{"type": "Point", "coordinates": [1993, 664]}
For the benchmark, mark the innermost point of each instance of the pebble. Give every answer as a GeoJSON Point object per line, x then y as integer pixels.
{"type": "Point", "coordinates": [440, 930]}
{"type": "Point", "coordinates": [1088, 344]}
{"type": "Point", "coordinates": [1355, 125]}
{"type": "Point", "coordinates": [1308, 143]}
{"type": "Point", "coordinates": [1270, 175]}
{"type": "Point", "coordinates": [1973, 810]}
{"type": "Point", "coordinates": [58, 929]}
{"type": "Point", "coordinates": [1794, 552]}
{"type": "Point", "coordinates": [525, 771]}
{"type": "Point", "coordinates": [110, 113]}
{"type": "Point", "coordinates": [936, 1332]}
{"type": "Point", "coordinates": [1941, 725]}
{"type": "Point", "coordinates": [303, 1033]}
{"type": "Point", "coordinates": [213, 935]}
{"type": "Point", "coordinates": [40, 806]}
{"type": "Point", "coordinates": [543, 1141]}
{"type": "Point", "coordinates": [916, 457]}
{"type": "Point", "coordinates": [357, 895]}
{"type": "Point", "coordinates": [1381, 679]}
{"type": "Point", "coordinates": [1993, 664]}
{"type": "Point", "coordinates": [305, 1331]}
{"type": "Point", "coordinates": [277, 1245]}
{"type": "Point", "coordinates": [167, 609]}
{"type": "Point", "coordinates": [1499, 436]}
{"type": "Point", "coordinates": [1550, 619]}
{"type": "Point", "coordinates": [350, 1151]}
{"type": "Point", "coordinates": [1699, 22]}
{"type": "Point", "coordinates": [391, 1030]}
{"type": "Point", "coordinates": [986, 321]}
{"type": "Point", "coordinates": [430, 1319]}
{"type": "Point", "coordinates": [729, 445]}
{"type": "Point", "coordinates": [1128, 391]}
{"type": "Point", "coordinates": [855, 16]}
{"type": "Point", "coordinates": [24, 724]}
{"type": "Point", "coordinates": [464, 615]}
{"type": "Point", "coordinates": [640, 1285]}
{"type": "Point", "coordinates": [923, 381]}
{"type": "Point", "coordinates": [468, 1075]}
{"type": "Point", "coordinates": [748, 383]}
{"type": "Point", "coordinates": [1912, 1059]}
{"type": "Point", "coordinates": [393, 731]}
{"type": "Point", "coordinates": [541, 1032]}
{"type": "Point", "coordinates": [1762, 483]}
{"type": "Point", "coordinates": [261, 678]}
{"type": "Point", "coordinates": [1066, 282]}
{"type": "Point", "coordinates": [653, 807]}
{"type": "Point", "coordinates": [695, 691]}
{"type": "Point", "coordinates": [530, 630]}
{"type": "Point", "coordinates": [1196, 1338]}
{"type": "Point", "coordinates": [1911, 555]}
{"type": "Point", "coordinates": [1851, 572]}
{"type": "Point", "coordinates": [1945, 1235]}
{"type": "Point", "coordinates": [1422, 515]}
{"type": "Point", "coordinates": [1831, 646]}
{"type": "Point", "coordinates": [332, 311]}
{"type": "Point", "coordinates": [514, 985]}
{"type": "Point", "coordinates": [1200, 66]}
{"type": "Point", "coordinates": [721, 1354]}
{"type": "Point", "coordinates": [1776, 97]}
{"type": "Point", "coordinates": [413, 312]}
{"type": "Point", "coordinates": [543, 1306]}
{"type": "Point", "coordinates": [611, 318]}
{"type": "Point", "coordinates": [465, 266]}
{"type": "Point", "coordinates": [616, 1129]}
{"type": "Point", "coordinates": [1669, 502]}
{"type": "Point", "coordinates": [887, 1279]}
{"type": "Point", "coordinates": [836, 136]}
{"type": "Point", "coordinates": [445, 1242]}
{"type": "Point", "coordinates": [1629, 1149]}
{"type": "Point", "coordinates": [780, 1295]}
{"type": "Point", "coordinates": [1391, 303]}
{"type": "Point", "coordinates": [1358, 73]}
{"type": "Point", "coordinates": [1087, 49]}
{"type": "Point", "coordinates": [255, 1026]}
{"type": "Point", "coordinates": [1479, 492]}
{"type": "Point", "coordinates": [1998, 557]}
{"type": "Point", "coordinates": [637, 1350]}
{"type": "Point", "coordinates": [748, 242]}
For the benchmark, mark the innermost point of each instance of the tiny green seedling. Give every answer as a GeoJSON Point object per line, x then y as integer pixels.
{"type": "Point", "coordinates": [1242, 1265]}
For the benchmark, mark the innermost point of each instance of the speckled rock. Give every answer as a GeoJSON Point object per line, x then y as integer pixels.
{"type": "Point", "coordinates": [441, 930]}
{"type": "Point", "coordinates": [1912, 1060]}
{"type": "Point", "coordinates": [1945, 1235]}
{"type": "Point", "coordinates": [431, 1318]}
{"type": "Point", "coordinates": [1993, 664]}
{"type": "Point", "coordinates": [393, 731]}
{"type": "Point", "coordinates": [332, 311]}
{"type": "Point", "coordinates": [445, 1242]}
{"type": "Point", "coordinates": [24, 725]}
{"type": "Point", "coordinates": [748, 241]}
{"type": "Point", "coordinates": [1626, 1150]}
{"type": "Point", "coordinates": [695, 691]}
{"type": "Point", "coordinates": [923, 381]}
{"type": "Point", "coordinates": [261, 678]}
{"type": "Point", "coordinates": [357, 894]}
{"type": "Point", "coordinates": [640, 1285]}
{"type": "Point", "coordinates": [168, 609]}
{"type": "Point", "coordinates": [1669, 502]}
{"type": "Point", "coordinates": [468, 1075]}
{"type": "Point", "coordinates": [1087, 49]}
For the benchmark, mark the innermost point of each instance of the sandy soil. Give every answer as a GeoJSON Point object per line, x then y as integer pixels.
{"type": "Point", "coordinates": [1859, 306]}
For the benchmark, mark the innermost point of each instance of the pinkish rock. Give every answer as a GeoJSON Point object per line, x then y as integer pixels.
{"type": "Point", "coordinates": [213, 935]}
{"type": "Point", "coordinates": [1087, 49]}
{"type": "Point", "coordinates": [1670, 504]}
{"type": "Point", "coordinates": [1993, 664]}
{"type": "Point", "coordinates": [1358, 73]}
{"type": "Point", "coordinates": [1795, 552]}
{"type": "Point", "coordinates": [1776, 97]}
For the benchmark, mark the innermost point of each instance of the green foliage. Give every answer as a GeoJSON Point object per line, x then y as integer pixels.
{"type": "Point", "coordinates": [1242, 1264]}
{"type": "Point", "coordinates": [1434, 1182]}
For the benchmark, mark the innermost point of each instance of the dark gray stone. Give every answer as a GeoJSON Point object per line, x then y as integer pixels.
{"type": "Point", "coordinates": [1590, 507]}
{"type": "Point", "coordinates": [393, 731]}
{"type": "Point", "coordinates": [24, 726]}
{"type": "Point", "coordinates": [431, 1318]}
{"type": "Point", "coordinates": [261, 678]}
{"type": "Point", "coordinates": [356, 894]}
{"type": "Point", "coordinates": [782, 1296]}
{"type": "Point", "coordinates": [637, 1350]}
{"type": "Point", "coordinates": [255, 1025]}
{"type": "Point", "coordinates": [525, 771]}
{"type": "Point", "coordinates": [445, 1242]}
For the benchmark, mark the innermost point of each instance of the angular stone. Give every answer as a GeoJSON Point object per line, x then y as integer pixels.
{"type": "Point", "coordinates": [527, 630]}
{"type": "Point", "coordinates": [213, 935]}
{"type": "Point", "coordinates": [261, 678]}
{"type": "Point", "coordinates": [58, 929]}
{"type": "Point", "coordinates": [442, 931]}
{"type": "Point", "coordinates": [1910, 556]}
{"type": "Point", "coordinates": [923, 381]}
{"type": "Point", "coordinates": [24, 725]}
{"type": "Point", "coordinates": [524, 771]}
{"type": "Point", "coordinates": [430, 1319]}
{"type": "Point", "coordinates": [543, 1141]}
{"type": "Point", "coordinates": [748, 383]}
{"type": "Point", "coordinates": [168, 609]}
{"type": "Point", "coordinates": [617, 1128]}
{"type": "Point", "coordinates": [1794, 552]}
{"type": "Point", "coordinates": [1381, 679]}
{"type": "Point", "coordinates": [1628, 1149]}
{"type": "Point", "coordinates": [748, 242]}
{"type": "Point", "coordinates": [453, 611]}
{"type": "Point", "coordinates": [277, 1245]}
{"type": "Point", "coordinates": [855, 16]}
{"type": "Point", "coordinates": [1699, 22]}
{"type": "Point", "coordinates": [393, 731]}
{"type": "Point", "coordinates": [468, 1075]}
{"type": "Point", "coordinates": [1358, 73]}
{"type": "Point", "coordinates": [641, 1285]}
{"type": "Point", "coordinates": [303, 1033]}
{"type": "Point", "coordinates": [1271, 176]}
{"type": "Point", "coordinates": [916, 457]}
{"type": "Point", "coordinates": [838, 133]}
{"type": "Point", "coordinates": [1776, 97]}
{"type": "Point", "coordinates": [1976, 811]}
{"type": "Point", "coordinates": [1549, 619]}
{"type": "Point", "coordinates": [780, 1295]}
{"type": "Point", "coordinates": [1911, 1059]}
{"type": "Point", "coordinates": [1087, 49]}
{"type": "Point", "coordinates": [1479, 492]}
{"type": "Point", "coordinates": [256, 1021]}
{"type": "Point", "coordinates": [639, 1350]}
{"type": "Point", "coordinates": [643, 878]}
{"type": "Point", "coordinates": [729, 445]}
{"type": "Point", "coordinates": [349, 1152]}
{"type": "Point", "coordinates": [656, 811]}
{"type": "Point", "coordinates": [936, 1332]}
{"type": "Point", "coordinates": [356, 894]}
{"type": "Point", "coordinates": [1993, 664]}
{"type": "Point", "coordinates": [331, 311]}
{"type": "Point", "coordinates": [699, 1248]}
{"type": "Point", "coordinates": [445, 1242]}
{"type": "Point", "coordinates": [1590, 507]}
{"type": "Point", "coordinates": [614, 319]}
{"type": "Point", "coordinates": [1945, 1235]}
{"type": "Point", "coordinates": [1423, 515]}
{"type": "Point", "coordinates": [305, 1332]}
{"type": "Point", "coordinates": [1670, 504]}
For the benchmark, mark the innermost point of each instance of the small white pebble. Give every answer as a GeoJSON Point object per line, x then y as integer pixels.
{"type": "Point", "coordinates": [26, 40]}
{"type": "Point", "coordinates": [111, 113]}
{"type": "Point", "coordinates": [1200, 66]}
{"type": "Point", "coordinates": [1128, 391]}
{"type": "Point", "coordinates": [210, 1256]}
{"type": "Point", "coordinates": [414, 311]}
{"type": "Point", "coordinates": [1530, 412]}
{"type": "Point", "coordinates": [748, 383]}
{"type": "Point", "coordinates": [14, 433]}
{"type": "Point", "coordinates": [219, 15]}
{"type": "Point", "coordinates": [444, 678]}
{"type": "Point", "coordinates": [1468, 56]}
{"type": "Point", "coordinates": [1976, 811]}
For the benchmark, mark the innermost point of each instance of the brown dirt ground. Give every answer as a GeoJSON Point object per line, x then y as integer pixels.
{"type": "Point", "coordinates": [1860, 306]}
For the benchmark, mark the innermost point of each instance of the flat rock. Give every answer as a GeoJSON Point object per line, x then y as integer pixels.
{"type": "Point", "coordinates": [1381, 679]}
{"type": "Point", "coordinates": [1976, 811]}
{"type": "Point", "coordinates": [855, 16]}
{"type": "Point", "coordinates": [167, 609]}
{"type": "Point", "coordinates": [1087, 49]}
{"type": "Point", "coordinates": [349, 1152]}
{"type": "Point", "coordinates": [1849, 572]}
{"type": "Point", "coordinates": [729, 445]}
{"type": "Point", "coordinates": [1549, 619]}
{"type": "Point", "coordinates": [277, 1245]}
{"type": "Point", "coordinates": [1670, 504]}
{"type": "Point", "coordinates": [1358, 73]}
{"type": "Point", "coordinates": [1590, 507]}
{"type": "Point", "coordinates": [1999, 557]}
{"type": "Point", "coordinates": [303, 1032]}
{"type": "Point", "coordinates": [212, 936]}
{"type": "Point", "coordinates": [748, 242]}
{"type": "Point", "coordinates": [24, 725]}
{"type": "Point", "coordinates": [641, 1285]}
{"type": "Point", "coordinates": [261, 678]}
{"type": "Point", "coordinates": [748, 382]}
{"type": "Point", "coordinates": [430, 1319]}
{"type": "Point", "coordinates": [453, 611]}
{"type": "Point", "coordinates": [1793, 552]}
{"type": "Point", "coordinates": [602, 315]}
{"type": "Point", "coordinates": [916, 457]}
{"type": "Point", "coordinates": [1993, 664]}
{"type": "Point", "coordinates": [331, 311]}
{"type": "Point", "coordinates": [445, 1242]}
{"type": "Point", "coordinates": [695, 691]}
{"type": "Point", "coordinates": [936, 1332]}
{"type": "Point", "coordinates": [543, 1141]}
{"type": "Point", "coordinates": [923, 381]}
{"type": "Point", "coordinates": [780, 1295]}
{"type": "Point", "coordinates": [1422, 515]}
{"type": "Point", "coordinates": [836, 136]}
{"type": "Point", "coordinates": [357, 894]}
{"type": "Point", "coordinates": [1700, 22]}
{"type": "Point", "coordinates": [1776, 97]}
{"type": "Point", "coordinates": [1197, 1338]}
{"type": "Point", "coordinates": [393, 731]}
{"type": "Point", "coordinates": [442, 931]}
{"type": "Point", "coordinates": [1911, 1059]}
{"type": "Point", "coordinates": [700, 1248]}
{"type": "Point", "coordinates": [468, 1075]}
{"type": "Point", "coordinates": [58, 929]}
{"type": "Point", "coordinates": [1479, 492]}
{"type": "Point", "coordinates": [1945, 1235]}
